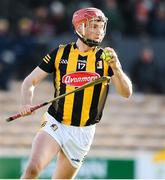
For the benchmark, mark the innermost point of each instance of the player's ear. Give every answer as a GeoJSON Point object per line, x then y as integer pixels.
{"type": "Point", "coordinates": [80, 29]}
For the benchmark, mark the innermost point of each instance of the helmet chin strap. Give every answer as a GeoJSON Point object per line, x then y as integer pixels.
{"type": "Point", "coordinates": [88, 42]}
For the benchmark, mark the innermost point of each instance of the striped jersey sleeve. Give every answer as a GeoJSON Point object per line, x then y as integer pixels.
{"type": "Point", "coordinates": [48, 61]}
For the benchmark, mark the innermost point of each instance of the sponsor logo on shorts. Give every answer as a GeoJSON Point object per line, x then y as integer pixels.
{"type": "Point", "coordinates": [80, 78]}
{"type": "Point", "coordinates": [43, 124]}
{"type": "Point", "coordinates": [77, 160]}
{"type": "Point", "coordinates": [54, 127]}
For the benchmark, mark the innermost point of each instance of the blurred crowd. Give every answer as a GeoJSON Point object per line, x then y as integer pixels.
{"type": "Point", "coordinates": [146, 74]}
{"type": "Point", "coordinates": [30, 28]}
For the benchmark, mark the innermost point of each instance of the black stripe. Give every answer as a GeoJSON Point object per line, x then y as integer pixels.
{"type": "Point", "coordinates": [98, 59]}
{"type": "Point", "coordinates": [63, 68]}
{"type": "Point", "coordinates": [96, 93]}
{"type": "Point", "coordinates": [102, 104]}
{"type": "Point", "coordinates": [94, 105]}
{"type": "Point", "coordinates": [78, 99]}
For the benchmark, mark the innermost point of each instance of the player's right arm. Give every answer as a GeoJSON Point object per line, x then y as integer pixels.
{"type": "Point", "coordinates": [27, 89]}
{"type": "Point", "coordinates": [33, 79]}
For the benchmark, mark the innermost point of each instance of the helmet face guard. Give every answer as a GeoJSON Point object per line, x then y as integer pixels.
{"type": "Point", "coordinates": [84, 22]}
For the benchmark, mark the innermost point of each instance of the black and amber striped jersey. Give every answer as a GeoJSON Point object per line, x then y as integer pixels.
{"type": "Point", "coordinates": [73, 68]}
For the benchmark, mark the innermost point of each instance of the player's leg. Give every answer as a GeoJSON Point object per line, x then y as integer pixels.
{"type": "Point", "coordinates": [75, 146]}
{"type": "Point", "coordinates": [64, 168]}
{"type": "Point", "coordinates": [44, 148]}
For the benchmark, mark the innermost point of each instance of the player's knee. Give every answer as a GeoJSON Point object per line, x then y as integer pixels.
{"type": "Point", "coordinates": [33, 169]}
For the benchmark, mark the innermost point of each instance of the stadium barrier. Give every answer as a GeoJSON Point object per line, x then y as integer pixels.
{"type": "Point", "coordinates": [93, 168]}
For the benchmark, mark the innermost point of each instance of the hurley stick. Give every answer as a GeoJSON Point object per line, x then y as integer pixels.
{"type": "Point", "coordinates": [89, 84]}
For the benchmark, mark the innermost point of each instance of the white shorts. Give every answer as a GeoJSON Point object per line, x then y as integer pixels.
{"type": "Point", "coordinates": [74, 141]}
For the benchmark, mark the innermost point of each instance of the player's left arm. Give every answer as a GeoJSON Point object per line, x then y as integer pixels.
{"type": "Point", "coordinates": [120, 80]}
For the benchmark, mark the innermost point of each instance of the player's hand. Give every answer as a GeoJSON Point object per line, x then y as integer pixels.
{"type": "Point", "coordinates": [25, 110]}
{"type": "Point", "coordinates": [110, 56]}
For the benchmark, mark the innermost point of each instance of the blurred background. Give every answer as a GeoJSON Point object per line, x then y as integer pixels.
{"type": "Point", "coordinates": [130, 138]}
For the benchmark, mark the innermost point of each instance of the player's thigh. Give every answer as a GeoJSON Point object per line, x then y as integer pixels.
{"type": "Point", "coordinates": [64, 169]}
{"type": "Point", "coordinates": [44, 148]}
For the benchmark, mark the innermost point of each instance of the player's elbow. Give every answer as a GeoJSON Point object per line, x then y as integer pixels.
{"type": "Point", "coordinates": [127, 93]}
{"type": "Point", "coordinates": [28, 83]}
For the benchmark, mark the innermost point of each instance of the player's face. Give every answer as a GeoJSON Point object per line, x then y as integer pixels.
{"type": "Point", "coordinates": [95, 30]}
